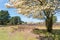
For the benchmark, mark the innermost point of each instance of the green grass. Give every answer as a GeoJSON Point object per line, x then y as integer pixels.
{"type": "Point", "coordinates": [3, 35]}
{"type": "Point", "coordinates": [17, 36]}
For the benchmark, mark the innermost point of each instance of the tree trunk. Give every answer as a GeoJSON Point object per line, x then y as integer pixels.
{"type": "Point", "coordinates": [49, 23]}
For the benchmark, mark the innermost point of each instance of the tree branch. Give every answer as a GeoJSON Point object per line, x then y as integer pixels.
{"type": "Point", "coordinates": [40, 2]}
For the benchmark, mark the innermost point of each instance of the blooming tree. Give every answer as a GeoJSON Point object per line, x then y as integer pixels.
{"type": "Point", "coordinates": [36, 8]}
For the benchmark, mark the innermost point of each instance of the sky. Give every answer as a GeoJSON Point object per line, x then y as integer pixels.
{"type": "Point", "coordinates": [12, 13]}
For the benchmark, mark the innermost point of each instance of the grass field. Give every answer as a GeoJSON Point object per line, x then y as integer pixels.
{"type": "Point", "coordinates": [3, 34]}
{"type": "Point", "coordinates": [8, 33]}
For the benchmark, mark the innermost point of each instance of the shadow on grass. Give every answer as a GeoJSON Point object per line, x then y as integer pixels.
{"type": "Point", "coordinates": [57, 32]}
{"type": "Point", "coordinates": [44, 35]}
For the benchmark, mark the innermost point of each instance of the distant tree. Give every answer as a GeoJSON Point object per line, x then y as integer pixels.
{"type": "Point", "coordinates": [15, 20]}
{"type": "Point", "coordinates": [4, 17]}
{"type": "Point", "coordinates": [54, 19]}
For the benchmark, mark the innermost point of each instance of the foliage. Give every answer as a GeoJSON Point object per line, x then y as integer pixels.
{"type": "Point", "coordinates": [54, 19]}
{"type": "Point", "coordinates": [4, 17]}
{"type": "Point", "coordinates": [32, 7]}
{"type": "Point", "coordinates": [15, 20]}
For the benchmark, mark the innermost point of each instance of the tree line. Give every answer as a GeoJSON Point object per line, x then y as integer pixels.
{"type": "Point", "coordinates": [6, 19]}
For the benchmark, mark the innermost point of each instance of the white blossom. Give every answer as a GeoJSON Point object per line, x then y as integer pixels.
{"type": "Point", "coordinates": [27, 7]}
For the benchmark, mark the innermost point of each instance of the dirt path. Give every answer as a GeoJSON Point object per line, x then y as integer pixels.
{"type": "Point", "coordinates": [26, 34]}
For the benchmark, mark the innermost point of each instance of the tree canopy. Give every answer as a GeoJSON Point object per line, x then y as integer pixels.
{"type": "Point", "coordinates": [33, 7]}
{"type": "Point", "coordinates": [4, 17]}
{"type": "Point", "coordinates": [15, 20]}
